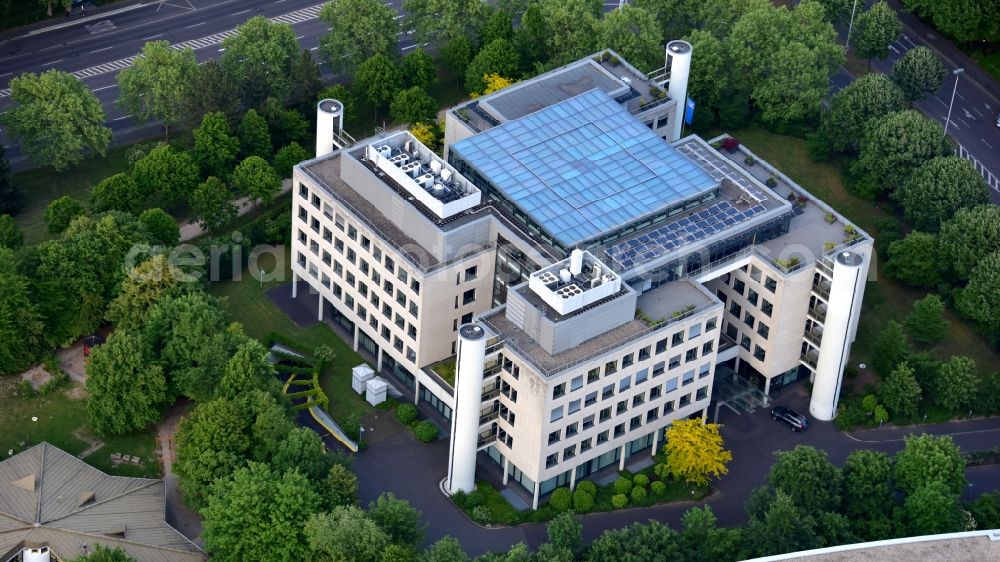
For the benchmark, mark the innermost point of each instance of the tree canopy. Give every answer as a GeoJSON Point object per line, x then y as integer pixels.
{"type": "Point", "coordinates": [215, 147]}
{"type": "Point", "coordinates": [900, 391]}
{"type": "Point", "coordinates": [259, 60]}
{"type": "Point", "coordinates": [56, 119]}
{"type": "Point", "coordinates": [926, 320]}
{"type": "Point", "coordinates": [22, 334]}
{"type": "Point", "coordinates": [694, 451]}
{"type": "Point", "coordinates": [499, 57]}
{"type": "Point", "coordinates": [968, 237]}
{"type": "Point", "coordinates": [805, 474]}
{"type": "Point", "coordinates": [939, 188]}
{"type": "Point", "coordinates": [155, 86]}
{"type": "Point", "coordinates": [166, 175]}
{"type": "Point", "coordinates": [256, 178]}
{"type": "Point", "coordinates": [441, 21]}
{"type": "Point", "coordinates": [359, 30]}
{"type": "Point", "coordinates": [126, 388]}
{"type": "Point", "coordinates": [914, 260]}
{"type": "Point", "coordinates": [875, 29]}
{"type": "Point", "coordinates": [413, 105]}
{"type": "Point", "coordinates": [60, 212]}
{"type": "Point", "coordinates": [634, 34]}
{"type": "Point", "coordinates": [925, 459]}
{"type": "Point", "coordinates": [892, 147]}
{"type": "Point", "coordinates": [117, 193]}
{"type": "Point", "coordinates": [919, 73]}
{"type": "Point", "coordinates": [980, 300]}
{"type": "Point", "coordinates": [868, 98]}
{"type": "Point", "coordinates": [957, 383]}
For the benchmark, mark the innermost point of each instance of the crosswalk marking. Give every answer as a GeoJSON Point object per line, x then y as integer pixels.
{"type": "Point", "coordinates": [991, 180]}
{"type": "Point", "coordinates": [291, 18]}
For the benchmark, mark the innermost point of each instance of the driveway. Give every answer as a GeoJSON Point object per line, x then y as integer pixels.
{"type": "Point", "coordinates": [178, 515]}
{"type": "Point", "coordinates": [396, 462]}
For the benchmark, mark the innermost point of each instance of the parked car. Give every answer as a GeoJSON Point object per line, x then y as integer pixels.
{"type": "Point", "coordinates": [791, 418]}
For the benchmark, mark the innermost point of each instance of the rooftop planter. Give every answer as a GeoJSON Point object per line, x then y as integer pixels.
{"type": "Point", "coordinates": [730, 144]}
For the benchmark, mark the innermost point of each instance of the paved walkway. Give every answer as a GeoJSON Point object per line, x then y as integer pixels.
{"type": "Point", "coordinates": [178, 515]}
{"type": "Point", "coordinates": [190, 230]}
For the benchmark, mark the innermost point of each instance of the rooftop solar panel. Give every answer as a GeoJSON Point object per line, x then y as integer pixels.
{"type": "Point", "coordinates": [583, 167]}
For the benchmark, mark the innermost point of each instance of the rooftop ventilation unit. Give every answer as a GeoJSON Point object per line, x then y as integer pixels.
{"type": "Point", "coordinates": [574, 283]}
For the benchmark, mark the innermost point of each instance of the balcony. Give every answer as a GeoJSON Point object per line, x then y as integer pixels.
{"type": "Point", "coordinates": [486, 438]}
{"type": "Point", "coordinates": [810, 356]}
{"type": "Point", "coordinates": [814, 336]}
{"type": "Point", "coordinates": [818, 312]}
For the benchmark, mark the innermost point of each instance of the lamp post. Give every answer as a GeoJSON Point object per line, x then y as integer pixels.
{"type": "Point", "coordinates": [947, 120]}
{"type": "Point", "coordinates": [850, 26]}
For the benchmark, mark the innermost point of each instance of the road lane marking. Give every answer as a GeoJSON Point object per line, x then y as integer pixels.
{"type": "Point", "coordinates": [120, 118]}
{"type": "Point", "coordinates": [52, 62]}
{"type": "Point", "coordinates": [894, 49]}
{"type": "Point", "coordinates": [238, 13]}
{"type": "Point", "coordinates": [6, 74]}
{"type": "Point", "coordinates": [105, 87]}
{"type": "Point", "coordinates": [153, 36]}
{"type": "Point", "coordinates": [195, 25]}
{"type": "Point", "coordinates": [104, 49]}
{"type": "Point", "coordinates": [986, 143]}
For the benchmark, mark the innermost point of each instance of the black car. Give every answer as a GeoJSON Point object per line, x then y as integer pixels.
{"type": "Point", "coordinates": [791, 418]}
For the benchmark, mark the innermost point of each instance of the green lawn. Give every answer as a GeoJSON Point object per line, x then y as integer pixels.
{"type": "Point", "coordinates": [246, 303]}
{"type": "Point", "coordinates": [885, 299]}
{"type": "Point", "coordinates": [43, 185]}
{"type": "Point", "coordinates": [989, 61]}
{"type": "Point", "coordinates": [59, 415]}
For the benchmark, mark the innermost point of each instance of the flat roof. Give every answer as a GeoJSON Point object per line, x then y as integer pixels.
{"type": "Point", "coordinates": [583, 167]}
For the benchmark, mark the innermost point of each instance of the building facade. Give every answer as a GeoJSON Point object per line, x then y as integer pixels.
{"type": "Point", "coordinates": [589, 275]}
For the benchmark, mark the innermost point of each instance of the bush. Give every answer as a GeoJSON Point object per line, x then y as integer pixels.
{"type": "Point", "coordinates": [641, 480]}
{"type": "Point", "coordinates": [425, 431]}
{"type": "Point", "coordinates": [561, 499]}
{"type": "Point", "coordinates": [459, 498]}
{"type": "Point", "coordinates": [622, 485]}
{"type": "Point", "coordinates": [474, 499]}
{"type": "Point", "coordinates": [587, 486]}
{"type": "Point", "coordinates": [658, 488]}
{"type": "Point", "coordinates": [61, 212]}
{"type": "Point", "coordinates": [619, 501]}
{"type": "Point", "coordinates": [481, 514]}
{"type": "Point", "coordinates": [638, 494]}
{"type": "Point", "coordinates": [582, 500]}
{"type": "Point", "coordinates": [406, 414]}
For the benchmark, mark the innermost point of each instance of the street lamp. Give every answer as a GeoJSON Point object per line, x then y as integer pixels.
{"type": "Point", "coordinates": [947, 120]}
{"type": "Point", "coordinates": [847, 44]}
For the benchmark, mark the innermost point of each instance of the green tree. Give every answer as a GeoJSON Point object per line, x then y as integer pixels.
{"type": "Point", "coordinates": [787, 56]}
{"type": "Point", "coordinates": [499, 57]}
{"type": "Point", "coordinates": [286, 159]}
{"type": "Point", "coordinates": [189, 333]}
{"type": "Point", "coordinates": [211, 90]}
{"type": "Point", "coordinates": [440, 21]}
{"type": "Point", "coordinates": [965, 21]}
{"type": "Point", "coordinates": [694, 452]}
{"type": "Point", "coordinates": [914, 260]}
{"type": "Point", "coordinates": [939, 188]}
{"type": "Point", "coordinates": [145, 285]}
{"type": "Point", "coordinates": [259, 60]}
{"type": "Point", "coordinates": [397, 518]}
{"type": "Point", "coordinates": [215, 147]}
{"type": "Point", "coordinates": [255, 138]}
{"type": "Point", "coordinates": [926, 321]}
{"type": "Point", "coordinates": [808, 478]}
{"type": "Point", "coordinates": [932, 509]}
{"type": "Point", "coordinates": [890, 348]}
{"type": "Point", "coordinates": [456, 55]}
{"type": "Point", "coordinates": [10, 235]}
{"type": "Point", "coordinates": [892, 147]}
{"type": "Point", "coordinates": [56, 119]}
{"type": "Point", "coordinates": [980, 300]}
{"type": "Point", "coordinates": [22, 333]}
{"type": "Point", "coordinates": [957, 383]}
{"type": "Point", "coordinates": [11, 195]}
{"type": "Point", "coordinates": [377, 80]}
{"type": "Point", "coordinates": [530, 38]}
{"type": "Point", "coordinates": [418, 69]}
{"type": "Point", "coordinates": [161, 226]}
{"type": "Point", "coordinates": [247, 368]}
{"type": "Point", "coordinates": [307, 81]}
{"type": "Point", "coordinates": [166, 175]}
{"type": "Point", "coordinates": [257, 514]}
{"type": "Point", "coordinates": [968, 237]}
{"type": "Point", "coordinates": [571, 28]}
{"type": "Point", "coordinates": [651, 541]}
{"type": "Point", "coordinates": [285, 125]}
{"type": "Point", "coordinates": [702, 540]}
{"type": "Point", "coordinates": [126, 389]}
{"type": "Point", "coordinates": [413, 105]}
{"type": "Point", "coordinates": [61, 212]}
{"type": "Point", "coordinates": [565, 532]}
{"type": "Point", "coordinates": [102, 553]}
{"type": "Point", "coordinates": [875, 30]}
{"type": "Point", "coordinates": [720, 97]}
{"type": "Point", "coordinates": [986, 510]}
{"type": "Point", "coordinates": [211, 204]}
{"type": "Point", "coordinates": [927, 458]}
{"type": "Point", "coordinates": [634, 34]}
{"type": "Point", "coordinates": [497, 26]}
{"type": "Point", "coordinates": [117, 193]}
{"type": "Point", "coordinates": [918, 73]}
{"type": "Point", "coordinates": [303, 450]}
{"type": "Point", "coordinates": [837, 11]}
{"type": "Point", "coordinates": [868, 98]}
{"type": "Point", "coordinates": [344, 533]}
{"type": "Point", "coordinates": [900, 391]}
{"type": "Point", "coordinates": [255, 177]}
{"type": "Point", "coordinates": [868, 491]}
{"type": "Point", "coordinates": [783, 528]}
{"type": "Point", "coordinates": [341, 486]}
{"type": "Point", "coordinates": [360, 30]}
{"type": "Point", "coordinates": [155, 86]}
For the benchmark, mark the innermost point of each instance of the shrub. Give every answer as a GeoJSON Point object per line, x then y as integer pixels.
{"type": "Point", "coordinates": [406, 414]}
{"type": "Point", "coordinates": [587, 486]}
{"type": "Point", "coordinates": [481, 514]}
{"type": "Point", "coordinates": [582, 501]}
{"type": "Point", "coordinates": [459, 498]}
{"type": "Point", "coordinates": [425, 431]}
{"type": "Point", "coordinates": [638, 494]}
{"type": "Point", "coordinates": [641, 480]}
{"type": "Point", "coordinates": [619, 501]}
{"type": "Point", "coordinates": [561, 499]}
{"type": "Point", "coordinates": [730, 144]}
{"type": "Point", "coordinates": [658, 488]}
{"type": "Point", "coordinates": [474, 499]}
{"type": "Point", "coordinates": [623, 485]}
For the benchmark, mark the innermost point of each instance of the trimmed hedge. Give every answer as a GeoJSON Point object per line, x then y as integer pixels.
{"type": "Point", "coordinates": [658, 488]}
{"type": "Point", "coordinates": [638, 494]}
{"type": "Point", "coordinates": [406, 414]}
{"type": "Point", "coordinates": [622, 486]}
{"type": "Point", "coordinates": [582, 501]}
{"type": "Point", "coordinates": [619, 501]}
{"type": "Point", "coordinates": [641, 480]}
{"type": "Point", "coordinates": [587, 486]}
{"type": "Point", "coordinates": [425, 431]}
{"type": "Point", "coordinates": [561, 499]}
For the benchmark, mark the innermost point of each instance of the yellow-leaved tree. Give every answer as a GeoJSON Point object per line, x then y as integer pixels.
{"type": "Point", "coordinates": [694, 452]}
{"type": "Point", "coordinates": [493, 82]}
{"type": "Point", "coordinates": [426, 134]}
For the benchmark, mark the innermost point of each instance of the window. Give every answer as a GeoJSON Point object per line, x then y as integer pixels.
{"type": "Point", "coordinates": [694, 331]}
{"type": "Point", "coordinates": [619, 430]}
{"type": "Point", "coordinates": [605, 414]}
{"type": "Point", "coordinates": [624, 384]}
{"type": "Point", "coordinates": [593, 375]}
{"type": "Point", "coordinates": [658, 369]}
{"type": "Point", "coordinates": [303, 191]}
{"type": "Point", "coordinates": [671, 385]}
{"type": "Point", "coordinates": [327, 258]}
{"type": "Point", "coordinates": [652, 415]}
{"type": "Point", "coordinates": [635, 423]}
{"type": "Point", "coordinates": [627, 360]}
{"type": "Point", "coordinates": [609, 391]}
{"type": "Point", "coordinates": [363, 265]}
{"type": "Point", "coordinates": [711, 324]}
{"type": "Point", "coordinates": [558, 390]}
{"type": "Point", "coordinates": [555, 437]}
{"type": "Point", "coordinates": [610, 367]}
{"type": "Point", "coordinates": [738, 285]}
{"type": "Point", "coordinates": [572, 429]}
{"type": "Point", "coordinates": [327, 235]}
{"type": "Point", "coordinates": [770, 284]}
{"type": "Point", "coordinates": [569, 452]}
{"type": "Point", "coordinates": [668, 407]}
{"type": "Point", "coordinates": [557, 414]}
{"type": "Point", "coordinates": [677, 339]}
{"type": "Point", "coordinates": [685, 400]}
{"type": "Point", "coordinates": [655, 392]}
{"type": "Point", "coordinates": [638, 399]}
{"type": "Point", "coordinates": [661, 346]}
{"type": "Point", "coordinates": [763, 330]}
{"type": "Point", "coordinates": [745, 341]}
{"type": "Point", "coordinates": [551, 460]}
{"type": "Point", "coordinates": [588, 422]}
{"type": "Point", "coordinates": [691, 355]}
{"type": "Point", "coordinates": [413, 309]}
{"type": "Point", "coordinates": [675, 362]}
{"type": "Point", "coordinates": [735, 309]}
{"type": "Point", "coordinates": [644, 353]}
{"type": "Point", "coordinates": [766, 307]}
{"type": "Point", "coordinates": [752, 296]}
{"type": "Point", "coordinates": [621, 407]}
{"type": "Point", "coordinates": [590, 399]}
{"type": "Point", "coordinates": [352, 233]}
{"type": "Point", "coordinates": [748, 319]}
{"type": "Point", "coordinates": [602, 437]}
{"type": "Point", "coordinates": [388, 288]}
{"type": "Point", "coordinates": [689, 377]}
{"type": "Point", "coordinates": [390, 265]}
{"type": "Point", "coordinates": [574, 406]}
{"type": "Point", "coordinates": [470, 273]}
{"type": "Point", "coordinates": [707, 347]}
{"type": "Point", "coordinates": [759, 352]}
{"type": "Point", "coordinates": [576, 383]}
{"type": "Point", "coordinates": [469, 296]}
{"type": "Point", "coordinates": [585, 445]}
{"type": "Point", "coordinates": [755, 273]}
{"type": "Point", "coordinates": [702, 393]}
{"type": "Point", "coordinates": [351, 256]}
{"type": "Point", "coordinates": [641, 376]}
{"type": "Point", "coordinates": [366, 244]}
{"type": "Point", "coordinates": [415, 286]}
{"type": "Point", "coordinates": [704, 370]}
{"type": "Point", "coordinates": [467, 318]}
{"type": "Point", "coordinates": [402, 275]}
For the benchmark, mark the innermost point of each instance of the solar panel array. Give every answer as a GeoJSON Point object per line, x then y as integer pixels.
{"type": "Point", "coordinates": [583, 167]}
{"type": "Point", "coordinates": [661, 241]}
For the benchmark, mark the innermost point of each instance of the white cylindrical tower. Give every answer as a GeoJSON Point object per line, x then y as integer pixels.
{"type": "Point", "coordinates": [329, 124]}
{"type": "Point", "coordinates": [679, 66]}
{"type": "Point", "coordinates": [836, 344]}
{"type": "Point", "coordinates": [465, 414]}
